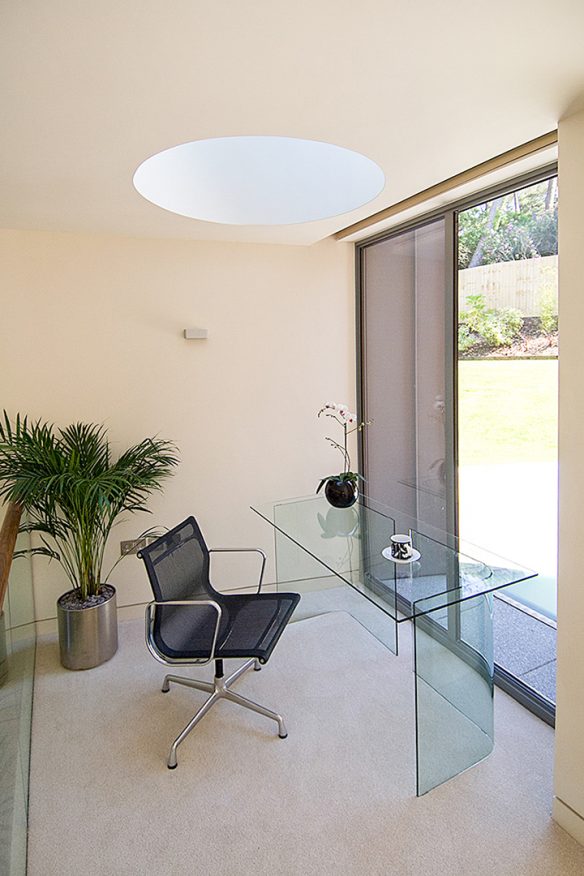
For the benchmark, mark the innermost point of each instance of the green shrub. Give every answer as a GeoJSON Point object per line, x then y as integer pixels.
{"type": "Point", "coordinates": [475, 316]}
{"type": "Point", "coordinates": [496, 327]}
{"type": "Point", "coordinates": [548, 312]}
{"type": "Point", "coordinates": [501, 326]}
{"type": "Point", "coordinates": [466, 340]}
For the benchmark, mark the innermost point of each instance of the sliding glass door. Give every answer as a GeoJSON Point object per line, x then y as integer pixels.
{"type": "Point", "coordinates": [458, 370]}
{"type": "Point", "coordinates": [406, 374]}
{"type": "Point", "coordinates": [508, 415]}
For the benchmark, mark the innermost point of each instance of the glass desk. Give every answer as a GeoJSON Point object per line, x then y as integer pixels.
{"type": "Point", "coordinates": [447, 593]}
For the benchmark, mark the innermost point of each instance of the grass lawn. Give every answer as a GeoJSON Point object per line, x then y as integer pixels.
{"type": "Point", "coordinates": [508, 411]}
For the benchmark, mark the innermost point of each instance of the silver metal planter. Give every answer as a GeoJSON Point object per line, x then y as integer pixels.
{"type": "Point", "coordinates": [87, 636]}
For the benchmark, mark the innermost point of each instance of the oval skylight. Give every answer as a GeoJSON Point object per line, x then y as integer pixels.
{"type": "Point", "coordinates": [258, 180]}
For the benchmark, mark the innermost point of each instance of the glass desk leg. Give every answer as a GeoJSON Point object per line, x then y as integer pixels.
{"type": "Point", "coordinates": [323, 591]}
{"type": "Point", "coordinates": [453, 667]}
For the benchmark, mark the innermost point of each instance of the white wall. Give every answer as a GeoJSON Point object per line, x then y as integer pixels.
{"type": "Point", "coordinates": [92, 330]}
{"type": "Point", "coordinates": [569, 771]}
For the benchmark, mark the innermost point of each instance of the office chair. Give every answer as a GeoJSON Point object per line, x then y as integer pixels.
{"type": "Point", "coordinates": [191, 623]}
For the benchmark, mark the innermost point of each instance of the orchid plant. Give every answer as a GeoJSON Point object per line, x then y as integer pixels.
{"type": "Point", "coordinates": [350, 424]}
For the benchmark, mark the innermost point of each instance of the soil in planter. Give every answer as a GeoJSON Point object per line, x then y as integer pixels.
{"type": "Point", "coordinates": [72, 601]}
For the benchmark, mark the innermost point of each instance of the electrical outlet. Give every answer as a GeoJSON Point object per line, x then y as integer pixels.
{"type": "Point", "coordinates": [134, 545]}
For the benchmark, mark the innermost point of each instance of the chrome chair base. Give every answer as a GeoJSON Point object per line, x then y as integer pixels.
{"type": "Point", "coordinates": [219, 689]}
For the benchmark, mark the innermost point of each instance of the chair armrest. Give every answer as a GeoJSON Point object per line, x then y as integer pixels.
{"type": "Point", "coordinates": [151, 616]}
{"type": "Point", "coordinates": [244, 550]}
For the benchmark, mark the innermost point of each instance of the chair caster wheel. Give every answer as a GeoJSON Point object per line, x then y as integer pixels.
{"type": "Point", "coordinates": [173, 767]}
{"type": "Point", "coordinates": [285, 736]}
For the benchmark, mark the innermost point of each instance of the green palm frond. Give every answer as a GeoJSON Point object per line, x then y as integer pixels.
{"type": "Point", "coordinates": [72, 491]}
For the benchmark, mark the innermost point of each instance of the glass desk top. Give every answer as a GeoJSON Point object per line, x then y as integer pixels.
{"type": "Point", "coordinates": [349, 543]}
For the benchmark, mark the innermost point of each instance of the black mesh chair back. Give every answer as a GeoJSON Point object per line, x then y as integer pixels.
{"type": "Point", "coordinates": [178, 568]}
{"type": "Point", "coordinates": [178, 564]}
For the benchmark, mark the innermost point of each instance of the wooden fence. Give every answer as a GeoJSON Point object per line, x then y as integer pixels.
{"type": "Point", "coordinates": [523, 284]}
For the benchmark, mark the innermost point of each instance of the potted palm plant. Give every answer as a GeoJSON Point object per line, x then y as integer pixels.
{"type": "Point", "coordinates": [73, 492]}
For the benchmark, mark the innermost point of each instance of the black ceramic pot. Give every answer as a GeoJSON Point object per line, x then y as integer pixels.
{"type": "Point", "coordinates": [341, 494]}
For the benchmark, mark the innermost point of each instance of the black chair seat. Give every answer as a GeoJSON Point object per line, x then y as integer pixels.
{"type": "Point", "coordinates": [251, 625]}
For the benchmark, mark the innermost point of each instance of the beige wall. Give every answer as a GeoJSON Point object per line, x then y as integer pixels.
{"type": "Point", "coordinates": [92, 330]}
{"type": "Point", "coordinates": [569, 772]}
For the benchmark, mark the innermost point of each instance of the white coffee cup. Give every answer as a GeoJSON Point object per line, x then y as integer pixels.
{"type": "Point", "coordinates": [401, 547]}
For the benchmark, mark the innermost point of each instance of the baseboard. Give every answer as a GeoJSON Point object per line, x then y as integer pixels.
{"type": "Point", "coordinates": [132, 612]}
{"type": "Point", "coordinates": [48, 626]}
{"type": "Point", "coordinates": [569, 819]}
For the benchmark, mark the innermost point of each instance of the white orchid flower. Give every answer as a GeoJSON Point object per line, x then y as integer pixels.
{"type": "Point", "coordinates": [345, 418]}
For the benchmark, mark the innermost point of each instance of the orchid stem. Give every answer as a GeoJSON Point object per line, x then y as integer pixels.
{"type": "Point", "coordinates": [343, 451]}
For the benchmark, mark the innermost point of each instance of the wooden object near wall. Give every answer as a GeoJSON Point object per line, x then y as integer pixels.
{"type": "Point", "coordinates": [8, 534]}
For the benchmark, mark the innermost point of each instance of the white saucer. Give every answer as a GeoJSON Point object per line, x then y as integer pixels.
{"type": "Point", "coordinates": [386, 552]}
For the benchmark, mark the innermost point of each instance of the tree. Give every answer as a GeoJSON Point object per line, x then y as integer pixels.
{"type": "Point", "coordinates": [520, 225]}
{"type": "Point", "coordinates": [477, 256]}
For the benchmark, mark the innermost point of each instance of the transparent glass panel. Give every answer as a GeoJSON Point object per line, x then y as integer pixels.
{"type": "Point", "coordinates": [353, 544]}
{"type": "Point", "coordinates": [17, 656]}
{"type": "Point", "coordinates": [454, 687]}
{"type": "Point", "coordinates": [508, 414]}
{"type": "Point", "coordinates": [321, 540]}
{"type": "Point", "coordinates": [320, 548]}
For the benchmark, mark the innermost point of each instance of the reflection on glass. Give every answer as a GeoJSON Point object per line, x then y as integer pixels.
{"type": "Point", "coordinates": [319, 553]}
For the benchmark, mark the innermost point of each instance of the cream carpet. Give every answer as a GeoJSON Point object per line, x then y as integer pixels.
{"type": "Point", "coordinates": [335, 797]}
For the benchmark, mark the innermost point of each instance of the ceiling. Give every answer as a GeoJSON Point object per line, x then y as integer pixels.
{"type": "Point", "coordinates": [426, 90]}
